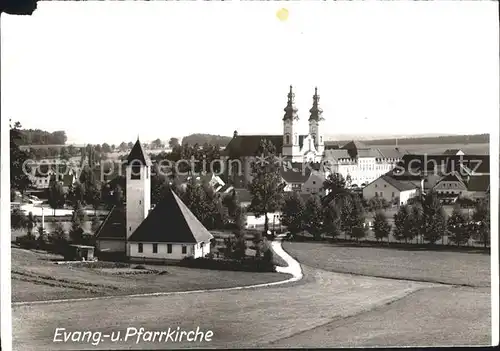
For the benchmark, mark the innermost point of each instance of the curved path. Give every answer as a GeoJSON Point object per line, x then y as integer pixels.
{"type": "Point", "coordinates": [238, 317]}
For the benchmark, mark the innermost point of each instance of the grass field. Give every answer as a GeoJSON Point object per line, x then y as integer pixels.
{"type": "Point", "coordinates": [36, 277]}
{"type": "Point", "coordinates": [472, 269]}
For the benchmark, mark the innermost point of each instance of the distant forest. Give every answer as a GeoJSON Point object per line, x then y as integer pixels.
{"type": "Point", "coordinates": [201, 139]}
{"type": "Point", "coordinates": [42, 137]}
{"type": "Point", "coordinates": [447, 139]}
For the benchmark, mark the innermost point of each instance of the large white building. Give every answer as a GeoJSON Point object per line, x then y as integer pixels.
{"type": "Point", "coordinates": [354, 160]}
{"type": "Point", "coordinates": [169, 231]}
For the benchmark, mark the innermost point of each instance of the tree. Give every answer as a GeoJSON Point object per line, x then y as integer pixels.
{"type": "Point", "coordinates": [157, 144]}
{"type": "Point", "coordinates": [130, 145]}
{"type": "Point", "coordinates": [240, 245]}
{"type": "Point", "coordinates": [334, 183]}
{"type": "Point", "coordinates": [76, 194]}
{"type": "Point", "coordinates": [173, 142]}
{"type": "Point", "coordinates": [94, 196]}
{"type": "Point", "coordinates": [267, 185]}
{"type": "Point", "coordinates": [377, 203]}
{"type": "Point", "coordinates": [353, 217]}
{"type": "Point", "coordinates": [59, 238]}
{"type": "Point", "coordinates": [105, 148]}
{"type": "Point", "coordinates": [123, 146]}
{"type": "Point", "coordinates": [195, 199]}
{"type": "Point", "coordinates": [64, 154]}
{"type": "Point", "coordinates": [314, 216]}
{"type": "Point", "coordinates": [402, 223]}
{"type": "Point", "coordinates": [216, 216]}
{"type": "Point", "coordinates": [293, 213]}
{"type": "Point", "coordinates": [77, 219]}
{"type": "Point", "coordinates": [18, 219]}
{"type": "Point", "coordinates": [332, 220]}
{"type": "Point", "coordinates": [19, 159]}
{"type": "Point", "coordinates": [56, 196]}
{"type": "Point", "coordinates": [481, 217]}
{"type": "Point", "coordinates": [30, 224]}
{"type": "Point", "coordinates": [416, 223]}
{"type": "Point", "coordinates": [457, 228]}
{"type": "Point", "coordinates": [232, 203]}
{"type": "Point", "coordinates": [381, 227]}
{"type": "Point", "coordinates": [434, 218]}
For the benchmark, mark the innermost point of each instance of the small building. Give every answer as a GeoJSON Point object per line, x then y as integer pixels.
{"type": "Point", "coordinates": [453, 152]}
{"type": "Point", "coordinates": [390, 189]}
{"type": "Point", "coordinates": [478, 187]}
{"type": "Point", "coordinates": [79, 253]}
{"type": "Point", "coordinates": [450, 187]}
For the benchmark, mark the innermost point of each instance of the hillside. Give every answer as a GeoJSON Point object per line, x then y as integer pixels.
{"type": "Point", "coordinates": [429, 140]}
{"type": "Point", "coordinates": [201, 139]}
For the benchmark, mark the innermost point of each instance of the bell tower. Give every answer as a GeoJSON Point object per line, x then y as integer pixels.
{"type": "Point", "coordinates": [291, 146]}
{"type": "Point", "coordinates": [138, 173]}
{"type": "Point", "coordinates": [316, 124]}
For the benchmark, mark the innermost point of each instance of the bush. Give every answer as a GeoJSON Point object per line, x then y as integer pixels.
{"type": "Point", "coordinates": [27, 242]}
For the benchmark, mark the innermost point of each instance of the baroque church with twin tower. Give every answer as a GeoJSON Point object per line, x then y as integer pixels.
{"type": "Point", "coordinates": [354, 160]}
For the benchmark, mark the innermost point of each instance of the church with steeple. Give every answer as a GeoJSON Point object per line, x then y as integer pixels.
{"type": "Point", "coordinates": [354, 160]}
{"type": "Point", "coordinates": [293, 144]}
{"type": "Point", "coordinates": [169, 231]}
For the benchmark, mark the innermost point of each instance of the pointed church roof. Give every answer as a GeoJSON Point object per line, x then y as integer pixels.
{"type": "Point", "coordinates": [171, 222]}
{"type": "Point", "coordinates": [138, 154]}
{"type": "Point", "coordinates": [316, 111]}
{"type": "Point", "coordinates": [290, 109]}
{"type": "Point", "coordinates": [114, 226]}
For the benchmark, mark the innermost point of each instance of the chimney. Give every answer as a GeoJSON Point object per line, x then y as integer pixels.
{"type": "Point", "coordinates": [235, 134]}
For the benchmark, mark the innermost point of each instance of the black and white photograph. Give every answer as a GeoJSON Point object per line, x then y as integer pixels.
{"type": "Point", "coordinates": [237, 175]}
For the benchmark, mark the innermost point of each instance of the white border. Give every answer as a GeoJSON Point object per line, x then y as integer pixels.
{"type": "Point", "coordinates": [5, 237]}
{"type": "Point", "coordinates": [5, 234]}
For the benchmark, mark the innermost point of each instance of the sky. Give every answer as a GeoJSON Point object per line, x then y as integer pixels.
{"type": "Point", "coordinates": [110, 71]}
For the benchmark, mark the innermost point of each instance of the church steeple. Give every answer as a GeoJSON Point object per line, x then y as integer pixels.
{"type": "Point", "coordinates": [316, 111]}
{"type": "Point", "coordinates": [290, 109]}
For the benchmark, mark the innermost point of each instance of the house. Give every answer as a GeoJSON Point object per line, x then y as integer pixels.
{"type": "Point", "coordinates": [391, 190]}
{"type": "Point", "coordinates": [210, 179]}
{"type": "Point", "coordinates": [478, 187]}
{"type": "Point", "coordinates": [354, 160]}
{"type": "Point", "coordinates": [450, 187]}
{"type": "Point", "coordinates": [169, 231]}
{"type": "Point", "coordinates": [453, 152]}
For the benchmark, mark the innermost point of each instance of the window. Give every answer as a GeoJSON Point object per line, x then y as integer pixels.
{"type": "Point", "coordinates": [147, 172]}
{"type": "Point", "coordinates": [139, 247]}
{"type": "Point", "coordinates": [140, 202]}
{"type": "Point", "coordinates": [155, 248]}
{"type": "Point", "coordinates": [375, 185]}
{"type": "Point", "coordinates": [169, 248]}
{"type": "Point", "coordinates": [129, 229]}
{"type": "Point", "coordinates": [184, 249]}
{"type": "Point", "coordinates": [385, 185]}
{"type": "Point", "coordinates": [393, 194]}
{"type": "Point", "coordinates": [314, 182]}
{"type": "Point", "coordinates": [287, 139]}
{"type": "Point", "coordinates": [135, 171]}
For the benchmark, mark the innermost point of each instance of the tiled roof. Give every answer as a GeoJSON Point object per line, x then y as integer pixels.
{"type": "Point", "coordinates": [248, 145]}
{"type": "Point", "coordinates": [451, 151]}
{"type": "Point", "coordinates": [478, 183]}
{"type": "Point", "coordinates": [138, 154]}
{"type": "Point", "coordinates": [172, 222]}
{"type": "Point", "coordinates": [400, 185]}
{"type": "Point", "coordinates": [114, 226]}
{"type": "Point", "coordinates": [296, 175]}
{"type": "Point", "coordinates": [336, 154]}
